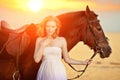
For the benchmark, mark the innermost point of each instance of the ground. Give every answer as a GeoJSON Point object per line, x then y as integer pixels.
{"type": "Point", "coordinates": [99, 69]}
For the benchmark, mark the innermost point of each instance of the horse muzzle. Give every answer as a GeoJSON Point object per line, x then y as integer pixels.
{"type": "Point", "coordinates": [105, 51]}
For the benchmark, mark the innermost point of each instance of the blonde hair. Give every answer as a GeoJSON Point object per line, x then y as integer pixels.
{"type": "Point", "coordinates": [42, 30]}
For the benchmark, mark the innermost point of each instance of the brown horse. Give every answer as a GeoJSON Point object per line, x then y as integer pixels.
{"type": "Point", "coordinates": [16, 52]}
{"type": "Point", "coordinates": [76, 26]}
{"type": "Point", "coordinates": [84, 26]}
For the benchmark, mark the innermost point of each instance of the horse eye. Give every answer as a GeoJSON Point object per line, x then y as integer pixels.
{"type": "Point", "coordinates": [98, 28]}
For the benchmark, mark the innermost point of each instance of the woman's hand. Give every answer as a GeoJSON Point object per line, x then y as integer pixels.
{"type": "Point", "coordinates": [87, 61]}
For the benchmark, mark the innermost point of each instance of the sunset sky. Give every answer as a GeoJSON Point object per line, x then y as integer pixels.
{"type": "Point", "coordinates": [20, 12]}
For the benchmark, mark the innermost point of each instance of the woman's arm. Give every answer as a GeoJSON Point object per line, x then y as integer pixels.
{"type": "Point", "coordinates": [68, 59]}
{"type": "Point", "coordinates": [38, 51]}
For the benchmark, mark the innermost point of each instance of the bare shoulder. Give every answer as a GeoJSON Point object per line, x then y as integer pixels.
{"type": "Point", "coordinates": [62, 39]}
{"type": "Point", "coordinates": [39, 39]}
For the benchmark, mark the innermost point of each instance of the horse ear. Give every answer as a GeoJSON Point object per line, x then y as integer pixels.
{"type": "Point", "coordinates": [87, 8]}
{"type": "Point", "coordinates": [87, 12]}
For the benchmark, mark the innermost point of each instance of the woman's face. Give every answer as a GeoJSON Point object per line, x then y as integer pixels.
{"type": "Point", "coordinates": [50, 27]}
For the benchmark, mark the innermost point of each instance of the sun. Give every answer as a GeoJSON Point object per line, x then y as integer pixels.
{"type": "Point", "coordinates": [35, 5]}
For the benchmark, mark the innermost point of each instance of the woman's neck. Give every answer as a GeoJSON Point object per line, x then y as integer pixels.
{"type": "Point", "coordinates": [49, 37]}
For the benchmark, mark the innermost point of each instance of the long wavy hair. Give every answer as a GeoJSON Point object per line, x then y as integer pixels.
{"type": "Point", "coordinates": [42, 26]}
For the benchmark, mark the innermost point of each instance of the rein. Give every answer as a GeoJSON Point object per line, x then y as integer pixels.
{"type": "Point", "coordinates": [95, 52]}
{"type": "Point", "coordinates": [80, 70]}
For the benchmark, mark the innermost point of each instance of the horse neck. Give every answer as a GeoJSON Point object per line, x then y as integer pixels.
{"type": "Point", "coordinates": [86, 35]}
{"type": "Point", "coordinates": [72, 43]}
{"type": "Point", "coordinates": [77, 30]}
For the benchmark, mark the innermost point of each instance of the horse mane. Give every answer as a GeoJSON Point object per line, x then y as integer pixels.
{"type": "Point", "coordinates": [69, 17]}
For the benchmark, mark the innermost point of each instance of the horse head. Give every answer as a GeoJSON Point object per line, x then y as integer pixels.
{"type": "Point", "coordinates": [95, 36]}
{"type": "Point", "coordinates": [84, 26]}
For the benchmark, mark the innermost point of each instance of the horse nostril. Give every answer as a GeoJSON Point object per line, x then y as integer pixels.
{"type": "Point", "coordinates": [105, 52]}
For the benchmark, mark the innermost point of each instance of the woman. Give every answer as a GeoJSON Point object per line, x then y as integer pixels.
{"type": "Point", "coordinates": [50, 48]}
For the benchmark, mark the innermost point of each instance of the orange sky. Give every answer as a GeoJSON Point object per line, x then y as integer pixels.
{"type": "Point", "coordinates": [17, 12]}
{"type": "Point", "coordinates": [62, 4]}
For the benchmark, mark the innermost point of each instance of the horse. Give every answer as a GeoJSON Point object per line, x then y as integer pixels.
{"type": "Point", "coordinates": [84, 26]}
{"type": "Point", "coordinates": [76, 26]}
{"type": "Point", "coordinates": [15, 47]}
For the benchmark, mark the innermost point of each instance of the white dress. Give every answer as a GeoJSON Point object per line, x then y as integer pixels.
{"type": "Point", "coordinates": [52, 67]}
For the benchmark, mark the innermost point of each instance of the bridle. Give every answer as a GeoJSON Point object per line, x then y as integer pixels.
{"type": "Point", "coordinates": [97, 48]}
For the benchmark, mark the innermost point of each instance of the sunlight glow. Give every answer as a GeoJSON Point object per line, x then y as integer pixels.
{"type": "Point", "coordinates": [66, 4]}
{"type": "Point", "coordinates": [39, 5]}
{"type": "Point", "coordinates": [35, 5]}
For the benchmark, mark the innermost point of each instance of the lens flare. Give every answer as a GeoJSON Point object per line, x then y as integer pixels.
{"type": "Point", "coordinates": [35, 5]}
